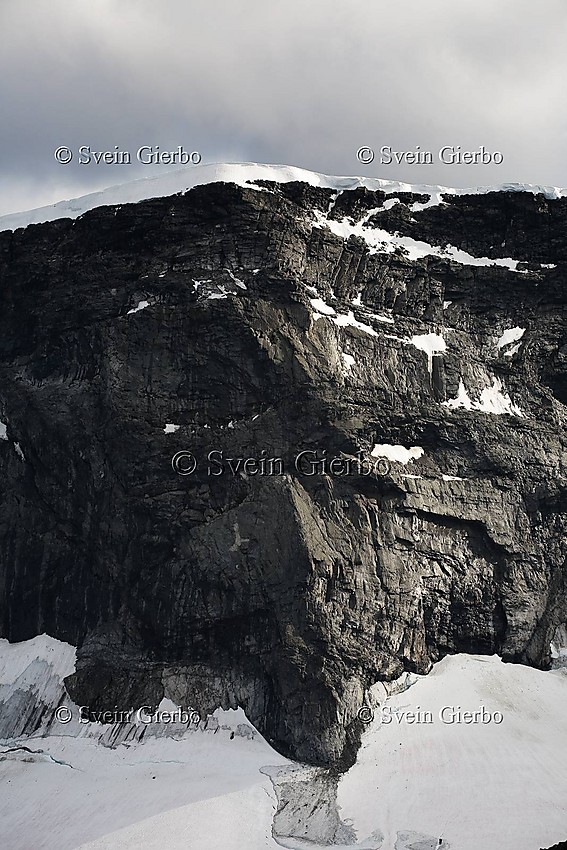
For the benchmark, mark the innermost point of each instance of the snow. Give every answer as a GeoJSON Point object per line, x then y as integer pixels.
{"type": "Point", "coordinates": [446, 304]}
{"type": "Point", "coordinates": [433, 344]}
{"type": "Point", "coordinates": [242, 174]}
{"type": "Point", "coordinates": [472, 784]}
{"type": "Point", "coordinates": [348, 359]}
{"type": "Point", "coordinates": [322, 309]}
{"type": "Point", "coordinates": [398, 454]}
{"type": "Point", "coordinates": [434, 201]}
{"type": "Point", "coordinates": [348, 320]}
{"type": "Point", "coordinates": [510, 335]}
{"type": "Point", "coordinates": [4, 436]}
{"type": "Point", "coordinates": [382, 241]}
{"type": "Point", "coordinates": [380, 318]}
{"type": "Point", "coordinates": [462, 399]}
{"type": "Point", "coordinates": [15, 658]}
{"type": "Point", "coordinates": [492, 400]}
{"type": "Point", "coordinates": [342, 320]}
{"type": "Point", "coordinates": [68, 789]}
{"type": "Point", "coordinates": [513, 350]}
{"type": "Point", "coordinates": [475, 785]}
{"type": "Point", "coordinates": [236, 280]}
{"type": "Point", "coordinates": [558, 647]}
{"type": "Point", "coordinates": [205, 791]}
{"type": "Point", "coordinates": [141, 306]}
{"type": "Point", "coordinates": [170, 428]}
{"type": "Point", "coordinates": [452, 478]}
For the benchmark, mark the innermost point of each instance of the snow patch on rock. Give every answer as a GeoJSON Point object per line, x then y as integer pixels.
{"type": "Point", "coordinates": [141, 306]}
{"type": "Point", "coordinates": [492, 400]}
{"type": "Point", "coordinates": [396, 453]}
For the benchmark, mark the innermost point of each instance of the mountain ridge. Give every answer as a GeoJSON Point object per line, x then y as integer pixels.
{"type": "Point", "coordinates": [183, 179]}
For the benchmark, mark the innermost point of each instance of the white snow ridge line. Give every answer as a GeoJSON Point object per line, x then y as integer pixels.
{"type": "Point", "coordinates": [242, 173]}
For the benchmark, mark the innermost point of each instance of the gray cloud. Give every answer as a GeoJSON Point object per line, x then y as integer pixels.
{"type": "Point", "coordinates": [294, 82]}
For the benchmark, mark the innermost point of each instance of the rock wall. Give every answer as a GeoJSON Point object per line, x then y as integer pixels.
{"type": "Point", "coordinates": [264, 323]}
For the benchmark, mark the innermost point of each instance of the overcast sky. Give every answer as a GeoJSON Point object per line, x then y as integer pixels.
{"type": "Point", "coordinates": [302, 82]}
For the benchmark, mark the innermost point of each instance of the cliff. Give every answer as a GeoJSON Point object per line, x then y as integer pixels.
{"type": "Point", "coordinates": [423, 334]}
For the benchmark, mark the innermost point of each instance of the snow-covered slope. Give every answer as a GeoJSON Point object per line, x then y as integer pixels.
{"type": "Point", "coordinates": [491, 785]}
{"type": "Point", "coordinates": [243, 174]}
{"type": "Point", "coordinates": [65, 786]}
{"type": "Point", "coordinates": [419, 779]}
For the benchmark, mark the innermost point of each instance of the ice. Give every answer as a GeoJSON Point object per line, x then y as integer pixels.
{"type": "Point", "coordinates": [15, 658]}
{"type": "Point", "coordinates": [242, 174]}
{"type": "Point", "coordinates": [397, 454]}
{"type": "Point", "coordinates": [170, 428]}
{"type": "Point", "coordinates": [67, 789]}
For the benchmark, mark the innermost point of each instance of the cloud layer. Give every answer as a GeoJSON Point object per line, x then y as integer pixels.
{"type": "Point", "coordinates": [283, 82]}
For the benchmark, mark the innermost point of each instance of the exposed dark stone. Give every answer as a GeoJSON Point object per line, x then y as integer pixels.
{"type": "Point", "coordinates": [286, 594]}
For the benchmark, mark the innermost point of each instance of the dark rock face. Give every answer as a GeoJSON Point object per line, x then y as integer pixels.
{"type": "Point", "coordinates": [286, 593]}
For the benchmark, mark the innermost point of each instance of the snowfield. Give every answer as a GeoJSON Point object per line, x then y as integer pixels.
{"type": "Point", "coordinates": [425, 778]}
{"type": "Point", "coordinates": [243, 173]}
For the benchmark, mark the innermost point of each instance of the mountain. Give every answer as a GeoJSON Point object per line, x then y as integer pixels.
{"type": "Point", "coordinates": [370, 379]}
{"type": "Point", "coordinates": [242, 174]}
